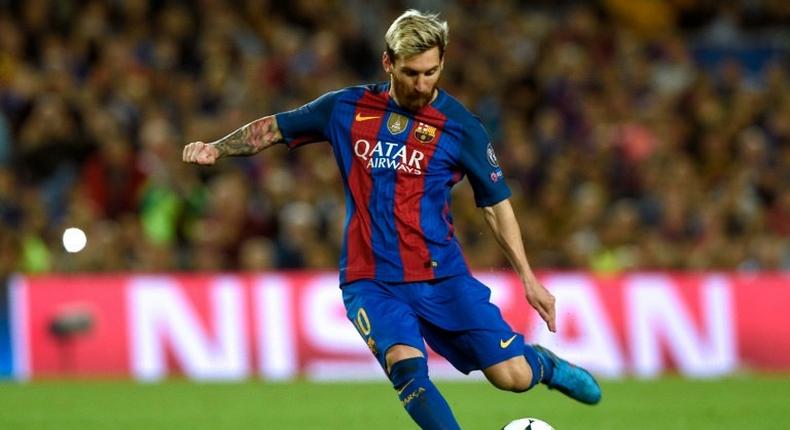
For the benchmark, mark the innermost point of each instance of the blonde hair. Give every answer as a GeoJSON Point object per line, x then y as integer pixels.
{"type": "Point", "coordinates": [415, 32]}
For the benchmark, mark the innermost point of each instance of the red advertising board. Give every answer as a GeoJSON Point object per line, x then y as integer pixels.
{"type": "Point", "coordinates": [282, 325]}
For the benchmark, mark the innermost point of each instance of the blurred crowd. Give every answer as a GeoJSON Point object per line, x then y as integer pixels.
{"type": "Point", "coordinates": [635, 134]}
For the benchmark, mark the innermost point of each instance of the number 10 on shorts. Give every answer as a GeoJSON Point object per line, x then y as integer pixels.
{"type": "Point", "coordinates": [363, 325]}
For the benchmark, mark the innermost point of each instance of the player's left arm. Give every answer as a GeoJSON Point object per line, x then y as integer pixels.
{"type": "Point", "coordinates": [503, 224]}
{"type": "Point", "coordinates": [479, 162]}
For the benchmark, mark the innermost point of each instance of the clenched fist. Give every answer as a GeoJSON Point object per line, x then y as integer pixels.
{"type": "Point", "coordinates": [201, 153]}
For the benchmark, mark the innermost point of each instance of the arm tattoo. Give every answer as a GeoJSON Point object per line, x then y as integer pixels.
{"type": "Point", "coordinates": [250, 139]}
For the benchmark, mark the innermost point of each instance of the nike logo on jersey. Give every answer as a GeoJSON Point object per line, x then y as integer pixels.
{"type": "Point", "coordinates": [505, 343]}
{"type": "Point", "coordinates": [361, 117]}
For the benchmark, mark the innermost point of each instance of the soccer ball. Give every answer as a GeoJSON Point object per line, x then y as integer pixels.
{"type": "Point", "coordinates": [528, 424]}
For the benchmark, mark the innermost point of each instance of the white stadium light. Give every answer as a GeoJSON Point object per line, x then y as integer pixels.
{"type": "Point", "coordinates": [74, 239]}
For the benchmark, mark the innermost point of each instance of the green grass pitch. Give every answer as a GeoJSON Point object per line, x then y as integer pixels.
{"type": "Point", "coordinates": [758, 402]}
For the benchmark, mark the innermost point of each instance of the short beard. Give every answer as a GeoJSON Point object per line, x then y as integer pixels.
{"type": "Point", "coordinates": [418, 102]}
{"type": "Point", "coordinates": [411, 102]}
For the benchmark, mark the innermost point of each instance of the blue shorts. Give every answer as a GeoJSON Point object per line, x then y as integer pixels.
{"type": "Point", "coordinates": [453, 315]}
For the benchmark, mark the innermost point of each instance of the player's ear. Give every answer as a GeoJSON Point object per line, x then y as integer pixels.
{"type": "Point", "coordinates": [386, 62]}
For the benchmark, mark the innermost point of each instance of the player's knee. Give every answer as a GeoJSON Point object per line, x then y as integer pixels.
{"type": "Point", "coordinates": [400, 352]}
{"type": "Point", "coordinates": [515, 383]}
{"type": "Point", "coordinates": [520, 384]}
{"type": "Point", "coordinates": [510, 376]}
{"type": "Point", "coordinates": [403, 372]}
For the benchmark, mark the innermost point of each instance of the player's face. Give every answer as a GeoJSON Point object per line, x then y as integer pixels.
{"type": "Point", "coordinates": [414, 79]}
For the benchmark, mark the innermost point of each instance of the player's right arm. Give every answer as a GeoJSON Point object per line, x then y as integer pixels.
{"type": "Point", "coordinates": [247, 140]}
{"type": "Point", "coordinates": [297, 127]}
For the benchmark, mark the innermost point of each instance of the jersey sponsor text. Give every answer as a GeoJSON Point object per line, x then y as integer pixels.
{"type": "Point", "coordinates": [389, 155]}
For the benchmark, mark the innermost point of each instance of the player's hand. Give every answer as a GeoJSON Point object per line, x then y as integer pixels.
{"type": "Point", "coordinates": [543, 301]}
{"type": "Point", "coordinates": [204, 154]}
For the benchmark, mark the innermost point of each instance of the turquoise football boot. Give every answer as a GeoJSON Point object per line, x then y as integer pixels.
{"type": "Point", "coordinates": [571, 380]}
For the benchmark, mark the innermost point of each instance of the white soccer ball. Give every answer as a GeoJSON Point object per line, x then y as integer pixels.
{"type": "Point", "coordinates": [528, 424]}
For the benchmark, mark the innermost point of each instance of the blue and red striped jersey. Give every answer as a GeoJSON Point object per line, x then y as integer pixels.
{"type": "Point", "coordinates": [398, 168]}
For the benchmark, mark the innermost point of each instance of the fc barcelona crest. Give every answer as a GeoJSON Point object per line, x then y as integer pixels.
{"type": "Point", "coordinates": [397, 123]}
{"type": "Point", "coordinates": [424, 132]}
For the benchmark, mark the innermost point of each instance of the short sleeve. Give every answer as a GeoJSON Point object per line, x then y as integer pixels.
{"type": "Point", "coordinates": [480, 164]}
{"type": "Point", "coordinates": [307, 124]}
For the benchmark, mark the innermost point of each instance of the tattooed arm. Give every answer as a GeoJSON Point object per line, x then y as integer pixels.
{"type": "Point", "coordinates": [248, 140]}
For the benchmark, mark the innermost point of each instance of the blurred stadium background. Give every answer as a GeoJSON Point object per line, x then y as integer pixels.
{"type": "Point", "coordinates": [647, 143]}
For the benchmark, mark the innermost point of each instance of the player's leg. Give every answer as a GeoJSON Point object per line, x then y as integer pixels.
{"type": "Point", "coordinates": [408, 371]}
{"type": "Point", "coordinates": [390, 329]}
{"type": "Point", "coordinates": [491, 347]}
{"type": "Point", "coordinates": [514, 374]}
{"type": "Point", "coordinates": [539, 365]}
{"type": "Point", "coordinates": [468, 330]}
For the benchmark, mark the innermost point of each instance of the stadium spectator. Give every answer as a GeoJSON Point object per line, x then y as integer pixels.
{"type": "Point", "coordinates": [682, 115]}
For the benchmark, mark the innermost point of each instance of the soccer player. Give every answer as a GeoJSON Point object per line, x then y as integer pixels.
{"type": "Point", "coordinates": [400, 147]}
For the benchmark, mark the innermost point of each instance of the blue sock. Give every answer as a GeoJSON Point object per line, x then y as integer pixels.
{"type": "Point", "coordinates": [542, 367]}
{"type": "Point", "coordinates": [420, 397]}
